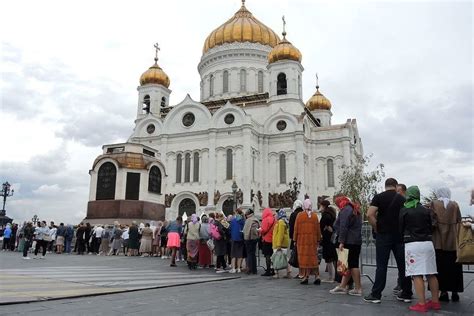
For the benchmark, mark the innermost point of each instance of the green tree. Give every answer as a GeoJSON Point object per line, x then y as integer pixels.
{"type": "Point", "coordinates": [361, 185]}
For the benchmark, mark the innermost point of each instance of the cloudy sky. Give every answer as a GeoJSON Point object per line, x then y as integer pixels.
{"type": "Point", "coordinates": [69, 72]}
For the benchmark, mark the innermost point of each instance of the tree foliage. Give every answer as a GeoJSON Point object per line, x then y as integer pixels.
{"type": "Point", "coordinates": [361, 185]}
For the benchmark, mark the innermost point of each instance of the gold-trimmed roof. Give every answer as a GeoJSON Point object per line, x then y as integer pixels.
{"type": "Point", "coordinates": [284, 51]}
{"type": "Point", "coordinates": [155, 75]}
{"type": "Point", "coordinates": [318, 101]}
{"type": "Point", "coordinates": [128, 160]}
{"type": "Point", "coordinates": [242, 27]}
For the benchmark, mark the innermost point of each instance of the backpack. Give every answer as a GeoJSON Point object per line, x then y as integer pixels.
{"type": "Point", "coordinates": [214, 232]}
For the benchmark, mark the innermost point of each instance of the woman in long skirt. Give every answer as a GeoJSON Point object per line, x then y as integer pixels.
{"type": "Point", "coordinates": [133, 239]}
{"type": "Point", "coordinates": [145, 245]}
{"type": "Point", "coordinates": [192, 241]}
{"type": "Point", "coordinates": [204, 251]}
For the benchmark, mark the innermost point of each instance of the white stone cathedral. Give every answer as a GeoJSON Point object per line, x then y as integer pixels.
{"type": "Point", "coordinates": [250, 127]}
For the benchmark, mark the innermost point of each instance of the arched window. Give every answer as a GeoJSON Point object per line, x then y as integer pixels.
{"type": "Point", "coordinates": [229, 161]}
{"type": "Point", "coordinates": [281, 84]}
{"type": "Point", "coordinates": [163, 102]}
{"type": "Point", "coordinates": [106, 177]}
{"type": "Point", "coordinates": [154, 180]}
{"type": "Point", "coordinates": [179, 167]}
{"type": "Point", "coordinates": [330, 166]}
{"type": "Point", "coordinates": [187, 168]}
{"type": "Point", "coordinates": [211, 85]}
{"type": "Point", "coordinates": [146, 104]}
{"type": "Point", "coordinates": [260, 81]}
{"type": "Point", "coordinates": [196, 167]}
{"type": "Point", "coordinates": [225, 81]}
{"type": "Point", "coordinates": [282, 169]}
{"type": "Point", "coordinates": [243, 80]}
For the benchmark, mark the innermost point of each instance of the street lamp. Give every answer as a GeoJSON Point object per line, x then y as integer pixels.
{"type": "Point", "coordinates": [295, 186]}
{"type": "Point", "coordinates": [234, 192]}
{"type": "Point", "coordinates": [34, 219]}
{"type": "Point", "coordinates": [6, 192]}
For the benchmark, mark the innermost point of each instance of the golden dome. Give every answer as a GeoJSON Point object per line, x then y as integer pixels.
{"type": "Point", "coordinates": [284, 51]}
{"type": "Point", "coordinates": [242, 27]}
{"type": "Point", "coordinates": [155, 75]}
{"type": "Point", "coordinates": [318, 102]}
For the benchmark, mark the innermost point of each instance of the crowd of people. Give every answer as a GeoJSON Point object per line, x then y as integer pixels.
{"type": "Point", "coordinates": [422, 239]}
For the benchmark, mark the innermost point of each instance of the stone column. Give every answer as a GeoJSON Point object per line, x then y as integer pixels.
{"type": "Point", "coordinates": [265, 167]}
{"type": "Point", "coordinates": [246, 168]}
{"type": "Point", "coordinates": [211, 175]}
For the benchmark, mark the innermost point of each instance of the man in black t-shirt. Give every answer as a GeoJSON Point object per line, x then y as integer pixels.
{"type": "Point", "coordinates": [383, 216]}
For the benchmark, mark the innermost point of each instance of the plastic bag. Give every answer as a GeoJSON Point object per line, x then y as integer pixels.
{"type": "Point", "coordinates": [342, 264]}
{"type": "Point", "coordinates": [279, 260]}
{"type": "Point", "coordinates": [465, 245]}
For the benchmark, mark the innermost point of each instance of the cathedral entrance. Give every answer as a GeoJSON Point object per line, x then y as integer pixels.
{"type": "Point", "coordinates": [186, 206]}
{"type": "Point", "coordinates": [228, 207]}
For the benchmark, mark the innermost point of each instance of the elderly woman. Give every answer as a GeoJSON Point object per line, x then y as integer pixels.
{"type": "Point", "coordinates": [306, 236]}
{"type": "Point", "coordinates": [133, 239]}
{"type": "Point", "coordinates": [156, 239]}
{"type": "Point", "coordinates": [281, 239]}
{"type": "Point", "coordinates": [448, 217]}
{"type": "Point", "coordinates": [146, 240]}
{"type": "Point", "coordinates": [204, 251]}
{"type": "Point", "coordinates": [266, 232]}
{"type": "Point", "coordinates": [416, 227]}
{"type": "Point", "coordinates": [349, 229]}
{"type": "Point", "coordinates": [191, 231]}
{"type": "Point", "coordinates": [297, 208]}
{"type": "Point", "coordinates": [328, 217]}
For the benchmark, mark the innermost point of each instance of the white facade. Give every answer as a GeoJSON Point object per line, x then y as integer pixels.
{"type": "Point", "coordinates": [269, 134]}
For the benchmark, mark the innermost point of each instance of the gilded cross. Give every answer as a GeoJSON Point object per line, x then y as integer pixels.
{"type": "Point", "coordinates": [157, 48]}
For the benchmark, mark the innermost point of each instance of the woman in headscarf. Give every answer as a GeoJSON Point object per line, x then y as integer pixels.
{"type": "Point", "coordinates": [204, 251]}
{"type": "Point", "coordinates": [416, 227]}
{"type": "Point", "coordinates": [145, 244]}
{"type": "Point", "coordinates": [297, 208]}
{"type": "Point", "coordinates": [448, 216]}
{"type": "Point", "coordinates": [220, 245]}
{"type": "Point", "coordinates": [281, 239]}
{"type": "Point", "coordinates": [307, 235]}
{"type": "Point", "coordinates": [174, 229]}
{"type": "Point", "coordinates": [192, 241]}
{"type": "Point", "coordinates": [349, 230]}
{"type": "Point", "coordinates": [156, 239]}
{"type": "Point", "coordinates": [266, 232]}
{"type": "Point", "coordinates": [328, 217]}
{"type": "Point", "coordinates": [133, 239]}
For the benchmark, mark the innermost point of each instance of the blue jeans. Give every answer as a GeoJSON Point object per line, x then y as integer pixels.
{"type": "Point", "coordinates": [251, 248]}
{"type": "Point", "coordinates": [67, 245]}
{"type": "Point", "coordinates": [384, 243]}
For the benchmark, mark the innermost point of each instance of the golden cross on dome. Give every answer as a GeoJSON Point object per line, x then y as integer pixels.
{"type": "Point", "coordinates": [317, 81]}
{"type": "Point", "coordinates": [157, 48]}
{"type": "Point", "coordinates": [284, 26]}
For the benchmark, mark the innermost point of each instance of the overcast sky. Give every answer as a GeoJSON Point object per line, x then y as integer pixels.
{"type": "Point", "coordinates": [69, 72]}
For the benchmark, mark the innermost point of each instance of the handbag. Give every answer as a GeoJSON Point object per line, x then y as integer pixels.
{"type": "Point", "coordinates": [294, 257]}
{"type": "Point", "coordinates": [342, 262]}
{"type": "Point", "coordinates": [279, 260]}
{"type": "Point", "coordinates": [210, 244]}
{"type": "Point", "coordinates": [465, 246]}
{"type": "Point", "coordinates": [47, 238]}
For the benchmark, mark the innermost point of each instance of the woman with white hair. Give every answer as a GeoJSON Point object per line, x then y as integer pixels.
{"type": "Point", "coordinates": [448, 217]}
{"type": "Point", "coordinates": [297, 208]}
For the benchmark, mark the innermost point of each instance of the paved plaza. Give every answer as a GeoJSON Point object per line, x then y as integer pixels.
{"type": "Point", "coordinates": [177, 291]}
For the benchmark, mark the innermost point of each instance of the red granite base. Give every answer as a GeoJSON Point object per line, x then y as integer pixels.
{"type": "Point", "coordinates": [124, 211]}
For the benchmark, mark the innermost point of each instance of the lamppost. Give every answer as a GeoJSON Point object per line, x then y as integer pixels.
{"type": "Point", "coordinates": [6, 192]}
{"type": "Point", "coordinates": [34, 219]}
{"type": "Point", "coordinates": [295, 186]}
{"type": "Point", "coordinates": [234, 192]}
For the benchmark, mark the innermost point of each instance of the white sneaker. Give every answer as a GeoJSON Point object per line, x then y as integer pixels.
{"type": "Point", "coordinates": [327, 281]}
{"type": "Point", "coordinates": [42, 257]}
{"type": "Point", "coordinates": [232, 270]}
{"type": "Point", "coordinates": [238, 271]}
{"type": "Point", "coordinates": [355, 292]}
{"type": "Point", "coordinates": [221, 271]}
{"type": "Point", "coordinates": [338, 290]}
{"type": "Point", "coordinates": [26, 258]}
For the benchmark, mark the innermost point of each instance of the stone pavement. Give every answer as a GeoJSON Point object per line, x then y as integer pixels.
{"type": "Point", "coordinates": [248, 295]}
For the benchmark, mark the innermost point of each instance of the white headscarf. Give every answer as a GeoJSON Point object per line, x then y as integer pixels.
{"type": "Point", "coordinates": [443, 194]}
{"type": "Point", "coordinates": [297, 204]}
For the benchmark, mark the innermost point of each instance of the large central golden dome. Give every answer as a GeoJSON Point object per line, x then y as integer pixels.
{"type": "Point", "coordinates": [242, 27]}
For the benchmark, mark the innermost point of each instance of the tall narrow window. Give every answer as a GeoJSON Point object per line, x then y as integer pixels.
{"type": "Point", "coordinates": [282, 169]}
{"type": "Point", "coordinates": [281, 84]}
{"type": "Point", "coordinates": [163, 102]}
{"type": "Point", "coordinates": [211, 85]}
{"type": "Point", "coordinates": [225, 81]}
{"type": "Point", "coordinates": [187, 168]}
{"type": "Point", "coordinates": [132, 188]}
{"type": "Point", "coordinates": [146, 104]}
{"type": "Point", "coordinates": [196, 167]}
{"type": "Point", "coordinates": [330, 166]}
{"type": "Point", "coordinates": [243, 80]}
{"type": "Point", "coordinates": [229, 171]}
{"type": "Point", "coordinates": [106, 177]}
{"type": "Point", "coordinates": [154, 180]}
{"type": "Point", "coordinates": [179, 167]}
{"type": "Point", "coordinates": [260, 82]}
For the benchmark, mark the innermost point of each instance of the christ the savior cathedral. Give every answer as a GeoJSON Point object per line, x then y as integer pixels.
{"type": "Point", "coordinates": [250, 132]}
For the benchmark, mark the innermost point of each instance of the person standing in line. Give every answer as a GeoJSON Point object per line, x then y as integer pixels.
{"type": "Point", "coordinates": [328, 217]}
{"type": "Point", "coordinates": [297, 208]}
{"type": "Point", "coordinates": [220, 244]}
{"type": "Point", "coordinates": [348, 226]}
{"type": "Point", "coordinates": [104, 241]}
{"type": "Point", "coordinates": [116, 240]}
{"type": "Point", "coordinates": [448, 216]}
{"type": "Point", "coordinates": [60, 233]}
{"type": "Point", "coordinates": [7, 234]}
{"type": "Point", "coordinates": [68, 238]}
{"type": "Point", "coordinates": [281, 239]}
{"type": "Point", "coordinates": [125, 240]}
{"type": "Point", "coordinates": [133, 241]}
{"type": "Point", "coordinates": [87, 238]}
{"type": "Point", "coordinates": [416, 226]}
{"type": "Point", "coordinates": [80, 239]}
{"type": "Point", "coordinates": [251, 238]}
{"type": "Point", "coordinates": [307, 236]}
{"type": "Point", "coordinates": [236, 234]}
{"type": "Point", "coordinates": [383, 216]}
{"type": "Point", "coordinates": [97, 233]}
{"type": "Point", "coordinates": [28, 233]}
{"type": "Point", "coordinates": [402, 190]}
{"type": "Point", "coordinates": [164, 241]}
{"type": "Point", "coordinates": [174, 238]}
{"type": "Point", "coordinates": [204, 251]}
{"type": "Point", "coordinates": [191, 232]}
{"type": "Point", "coordinates": [266, 232]}
{"type": "Point", "coordinates": [156, 239]}
{"type": "Point", "coordinates": [53, 234]}
{"type": "Point", "coordinates": [40, 232]}
{"type": "Point", "coordinates": [145, 244]}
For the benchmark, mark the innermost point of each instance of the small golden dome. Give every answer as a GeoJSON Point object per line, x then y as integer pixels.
{"type": "Point", "coordinates": [284, 51]}
{"type": "Point", "coordinates": [318, 102]}
{"type": "Point", "coordinates": [155, 75]}
{"type": "Point", "coordinates": [242, 27]}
